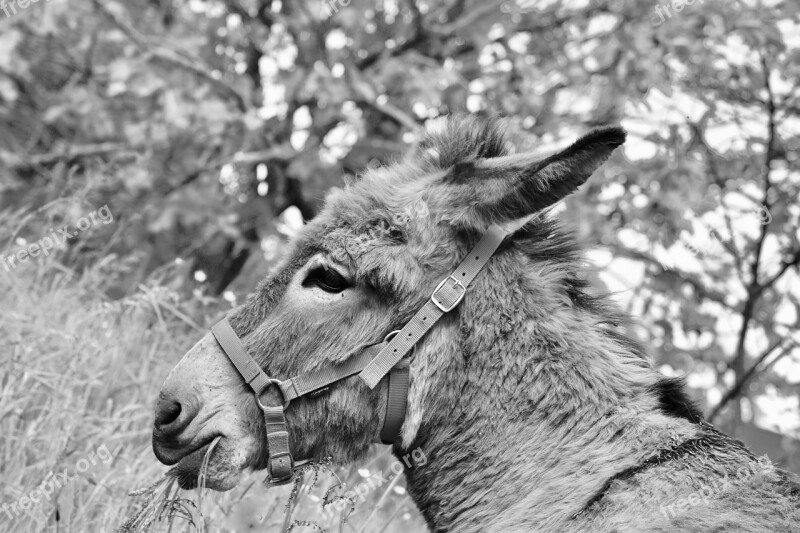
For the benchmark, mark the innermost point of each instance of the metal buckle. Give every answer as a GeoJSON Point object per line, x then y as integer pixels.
{"type": "Point", "coordinates": [457, 283]}
{"type": "Point", "coordinates": [277, 383]}
{"type": "Point", "coordinates": [271, 481]}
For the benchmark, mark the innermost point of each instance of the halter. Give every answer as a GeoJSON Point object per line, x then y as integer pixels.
{"type": "Point", "coordinates": [373, 364]}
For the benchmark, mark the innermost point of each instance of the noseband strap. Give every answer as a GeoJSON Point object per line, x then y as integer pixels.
{"type": "Point", "coordinates": [372, 364]}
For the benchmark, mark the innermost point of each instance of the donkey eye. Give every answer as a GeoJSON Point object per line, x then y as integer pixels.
{"type": "Point", "coordinates": [326, 279]}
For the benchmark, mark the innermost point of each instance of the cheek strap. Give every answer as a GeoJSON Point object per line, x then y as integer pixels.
{"type": "Point", "coordinates": [446, 297]}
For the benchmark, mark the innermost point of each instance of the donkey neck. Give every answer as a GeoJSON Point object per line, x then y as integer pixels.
{"type": "Point", "coordinates": [540, 408]}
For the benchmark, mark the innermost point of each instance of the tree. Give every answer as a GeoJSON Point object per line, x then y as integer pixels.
{"type": "Point", "coordinates": [209, 127]}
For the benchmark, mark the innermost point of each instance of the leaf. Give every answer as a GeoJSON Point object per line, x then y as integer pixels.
{"type": "Point", "coordinates": [176, 111]}
{"type": "Point", "coordinates": [9, 40]}
{"type": "Point", "coordinates": [145, 83]}
{"type": "Point", "coordinates": [119, 72]}
{"type": "Point", "coordinates": [8, 91]}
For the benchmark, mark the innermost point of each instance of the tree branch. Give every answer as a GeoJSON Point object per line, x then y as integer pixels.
{"type": "Point", "coordinates": [786, 265]}
{"type": "Point", "coordinates": [282, 151]}
{"type": "Point", "coordinates": [713, 169]}
{"type": "Point", "coordinates": [736, 389]}
{"type": "Point", "coordinates": [700, 289]}
{"type": "Point", "coordinates": [16, 162]}
{"type": "Point", "coordinates": [369, 96]}
{"type": "Point", "coordinates": [174, 58]}
{"type": "Point", "coordinates": [754, 290]}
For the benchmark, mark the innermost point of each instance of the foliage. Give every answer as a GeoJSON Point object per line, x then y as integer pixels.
{"type": "Point", "coordinates": [81, 372]}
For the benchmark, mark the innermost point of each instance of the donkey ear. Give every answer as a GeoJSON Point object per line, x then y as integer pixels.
{"type": "Point", "coordinates": [502, 189]}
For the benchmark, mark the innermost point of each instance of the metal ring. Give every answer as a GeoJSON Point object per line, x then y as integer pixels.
{"type": "Point", "coordinates": [277, 383]}
{"type": "Point", "coordinates": [391, 335]}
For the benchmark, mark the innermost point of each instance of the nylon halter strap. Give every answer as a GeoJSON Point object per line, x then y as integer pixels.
{"type": "Point", "coordinates": [372, 364]}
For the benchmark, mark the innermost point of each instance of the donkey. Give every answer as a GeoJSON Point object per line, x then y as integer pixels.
{"type": "Point", "coordinates": [535, 410]}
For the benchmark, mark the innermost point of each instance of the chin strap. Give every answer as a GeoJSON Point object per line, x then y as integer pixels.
{"type": "Point", "coordinates": [372, 364]}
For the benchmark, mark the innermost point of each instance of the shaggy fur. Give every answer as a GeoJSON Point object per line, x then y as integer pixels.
{"type": "Point", "coordinates": [535, 410]}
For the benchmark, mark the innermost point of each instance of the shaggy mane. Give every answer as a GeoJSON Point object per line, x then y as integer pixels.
{"type": "Point", "coordinates": [462, 138]}
{"type": "Point", "coordinates": [545, 239]}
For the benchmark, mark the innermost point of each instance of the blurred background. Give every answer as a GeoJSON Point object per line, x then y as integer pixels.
{"type": "Point", "coordinates": [184, 141]}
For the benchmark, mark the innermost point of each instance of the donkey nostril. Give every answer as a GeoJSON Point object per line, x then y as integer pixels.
{"type": "Point", "coordinates": [174, 413]}
{"type": "Point", "coordinates": [167, 411]}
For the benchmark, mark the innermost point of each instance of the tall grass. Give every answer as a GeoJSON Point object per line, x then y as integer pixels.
{"type": "Point", "coordinates": [79, 374]}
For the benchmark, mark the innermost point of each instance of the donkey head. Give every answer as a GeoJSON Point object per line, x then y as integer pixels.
{"type": "Point", "coordinates": [356, 272]}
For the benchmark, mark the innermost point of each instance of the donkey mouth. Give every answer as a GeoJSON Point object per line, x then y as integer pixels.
{"type": "Point", "coordinates": [189, 468]}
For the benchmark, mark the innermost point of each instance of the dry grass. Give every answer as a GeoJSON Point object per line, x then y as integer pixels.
{"type": "Point", "coordinates": [79, 375]}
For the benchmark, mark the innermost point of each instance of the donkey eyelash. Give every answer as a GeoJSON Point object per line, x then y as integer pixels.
{"type": "Point", "coordinates": [327, 279]}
